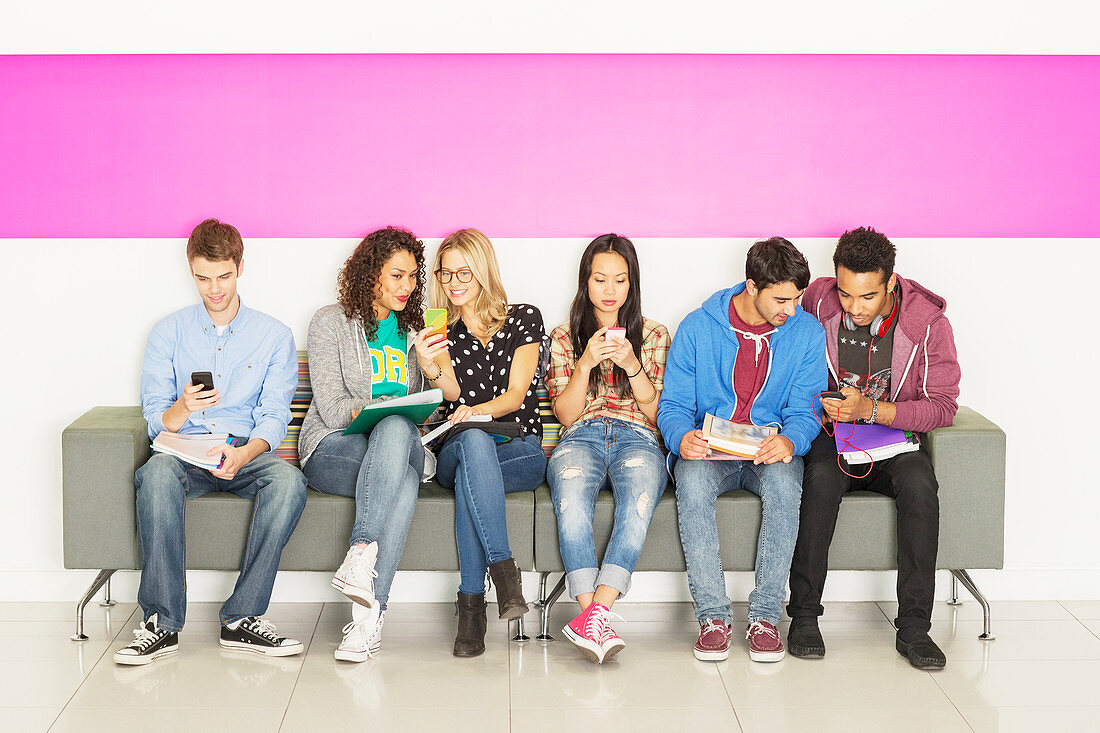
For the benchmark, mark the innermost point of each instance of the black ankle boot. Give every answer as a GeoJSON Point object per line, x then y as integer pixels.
{"type": "Point", "coordinates": [506, 577]}
{"type": "Point", "coordinates": [470, 639]}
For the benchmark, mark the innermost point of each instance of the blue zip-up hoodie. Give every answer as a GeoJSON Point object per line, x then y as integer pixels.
{"type": "Point", "coordinates": [699, 375]}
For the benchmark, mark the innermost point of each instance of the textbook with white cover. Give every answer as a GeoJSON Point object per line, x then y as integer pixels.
{"type": "Point", "coordinates": [192, 448]}
{"type": "Point", "coordinates": [447, 425]}
{"type": "Point", "coordinates": [735, 439]}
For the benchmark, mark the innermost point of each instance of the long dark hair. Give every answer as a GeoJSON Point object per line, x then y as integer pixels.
{"type": "Point", "coordinates": [359, 278]}
{"type": "Point", "coordinates": [582, 316]}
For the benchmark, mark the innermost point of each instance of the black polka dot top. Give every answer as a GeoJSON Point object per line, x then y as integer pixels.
{"type": "Point", "coordinates": [483, 371]}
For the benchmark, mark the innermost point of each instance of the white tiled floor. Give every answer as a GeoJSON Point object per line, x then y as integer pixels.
{"type": "Point", "coordinates": [1040, 673]}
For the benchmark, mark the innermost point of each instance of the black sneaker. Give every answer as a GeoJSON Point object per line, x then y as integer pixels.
{"type": "Point", "coordinates": [804, 638]}
{"type": "Point", "coordinates": [922, 652]}
{"type": "Point", "coordinates": [150, 642]}
{"type": "Point", "coordinates": [253, 634]}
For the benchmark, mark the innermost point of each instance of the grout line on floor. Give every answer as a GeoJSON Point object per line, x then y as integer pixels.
{"type": "Point", "coordinates": [92, 668]}
{"type": "Point", "coordinates": [952, 702]}
{"type": "Point", "coordinates": [509, 659]}
{"type": "Point", "coordinates": [302, 666]}
{"type": "Point", "coordinates": [725, 688]}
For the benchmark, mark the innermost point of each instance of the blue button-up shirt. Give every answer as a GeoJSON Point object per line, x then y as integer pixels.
{"type": "Point", "coordinates": [253, 361]}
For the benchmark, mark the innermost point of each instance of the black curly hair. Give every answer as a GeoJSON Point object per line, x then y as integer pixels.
{"type": "Point", "coordinates": [865, 250]}
{"type": "Point", "coordinates": [358, 279]}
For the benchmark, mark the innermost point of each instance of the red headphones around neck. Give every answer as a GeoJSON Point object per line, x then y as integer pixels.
{"type": "Point", "coordinates": [879, 326]}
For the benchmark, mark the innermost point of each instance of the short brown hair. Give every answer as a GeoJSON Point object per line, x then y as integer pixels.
{"type": "Point", "coordinates": [215, 241]}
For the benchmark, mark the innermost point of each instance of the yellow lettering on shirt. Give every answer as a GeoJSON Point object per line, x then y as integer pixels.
{"type": "Point", "coordinates": [395, 365]}
{"type": "Point", "coordinates": [377, 359]}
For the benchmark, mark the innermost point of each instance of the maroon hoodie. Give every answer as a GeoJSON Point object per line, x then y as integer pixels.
{"type": "Point", "coordinates": [924, 381]}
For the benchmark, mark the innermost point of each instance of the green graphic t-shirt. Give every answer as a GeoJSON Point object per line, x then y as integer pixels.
{"type": "Point", "coordinates": [387, 356]}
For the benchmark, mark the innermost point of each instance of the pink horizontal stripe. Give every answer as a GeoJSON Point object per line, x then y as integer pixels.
{"type": "Point", "coordinates": [550, 145]}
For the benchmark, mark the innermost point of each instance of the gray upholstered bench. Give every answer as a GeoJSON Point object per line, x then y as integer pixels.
{"type": "Point", "coordinates": [969, 458]}
{"type": "Point", "coordinates": [102, 449]}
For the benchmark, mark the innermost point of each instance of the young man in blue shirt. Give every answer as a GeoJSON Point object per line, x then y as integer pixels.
{"type": "Point", "coordinates": [750, 354]}
{"type": "Point", "coordinates": [255, 369]}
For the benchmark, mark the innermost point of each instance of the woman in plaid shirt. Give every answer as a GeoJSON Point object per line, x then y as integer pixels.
{"type": "Point", "coordinates": [606, 401]}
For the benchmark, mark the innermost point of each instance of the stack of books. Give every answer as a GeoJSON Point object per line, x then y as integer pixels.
{"type": "Point", "coordinates": [858, 443]}
{"type": "Point", "coordinates": [192, 448]}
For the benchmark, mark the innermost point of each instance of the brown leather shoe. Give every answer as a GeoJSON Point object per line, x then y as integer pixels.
{"type": "Point", "coordinates": [506, 577]}
{"type": "Point", "coordinates": [470, 639]}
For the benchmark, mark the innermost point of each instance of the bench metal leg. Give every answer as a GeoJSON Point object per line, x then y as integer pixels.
{"type": "Point", "coordinates": [520, 635]}
{"type": "Point", "coordinates": [546, 603]}
{"type": "Point", "coordinates": [100, 580]}
{"type": "Point", "coordinates": [107, 601]}
{"type": "Point", "coordinates": [968, 583]}
{"type": "Point", "coordinates": [954, 599]}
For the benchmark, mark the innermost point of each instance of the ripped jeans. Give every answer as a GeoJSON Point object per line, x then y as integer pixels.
{"type": "Point", "coordinates": [595, 454]}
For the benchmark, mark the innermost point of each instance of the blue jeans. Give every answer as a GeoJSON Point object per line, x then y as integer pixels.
{"type": "Point", "coordinates": [594, 454]}
{"type": "Point", "coordinates": [278, 492]}
{"type": "Point", "coordinates": [698, 485]}
{"type": "Point", "coordinates": [481, 471]}
{"type": "Point", "coordinates": [382, 471]}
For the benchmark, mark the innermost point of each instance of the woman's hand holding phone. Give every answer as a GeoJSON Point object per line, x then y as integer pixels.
{"type": "Point", "coordinates": [598, 349]}
{"type": "Point", "coordinates": [429, 343]}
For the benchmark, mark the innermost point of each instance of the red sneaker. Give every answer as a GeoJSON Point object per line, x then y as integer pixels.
{"type": "Point", "coordinates": [713, 644]}
{"type": "Point", "coordinates": [764, 643]}
{"type": "Point", "coordinates": [611, 642]}
{"type": "Point", "coordinates": [586, 632]}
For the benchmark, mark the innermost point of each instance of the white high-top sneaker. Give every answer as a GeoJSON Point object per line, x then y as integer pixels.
{"type": "Point", "coordinates": [355, 576]}
{"type": "Point", "coordinates": [363, 636]}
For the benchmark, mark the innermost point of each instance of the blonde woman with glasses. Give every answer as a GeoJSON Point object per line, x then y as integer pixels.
{"type": "Point", "coordinates": [491, 368]}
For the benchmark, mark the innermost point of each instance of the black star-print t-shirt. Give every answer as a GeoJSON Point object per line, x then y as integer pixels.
{"type": "Point", "coordinates": [865, 362]}
{"type": "Point", "coordinates": [483, 371]}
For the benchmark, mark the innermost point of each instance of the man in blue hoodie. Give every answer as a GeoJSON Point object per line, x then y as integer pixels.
{"type": "Point", "coordinates": [750, 354]}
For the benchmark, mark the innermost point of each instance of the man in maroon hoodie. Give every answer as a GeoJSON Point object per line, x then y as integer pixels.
{"type": "Point", "coordinates": [891, 351]}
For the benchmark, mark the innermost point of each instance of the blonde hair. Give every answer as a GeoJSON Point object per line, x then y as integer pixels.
{"type": "Point", "coordinates": [492, 303]}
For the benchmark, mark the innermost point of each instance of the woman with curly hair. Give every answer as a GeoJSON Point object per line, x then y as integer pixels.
{"type": "Point", "coordinates": [362, 350]}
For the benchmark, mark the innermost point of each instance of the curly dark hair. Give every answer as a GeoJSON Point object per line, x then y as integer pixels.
{"type": "Point", "coordinates": [358, 279]}
{"type": "Point", "coordinates": [865, 250]}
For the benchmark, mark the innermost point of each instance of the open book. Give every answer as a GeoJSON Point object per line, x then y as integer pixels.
{"type": "Point", "coordinates": [192, 448]}
{"type": "Point", "coordinates": [730, 440]}
{"type": "Point", "coordinates": [417, 407]}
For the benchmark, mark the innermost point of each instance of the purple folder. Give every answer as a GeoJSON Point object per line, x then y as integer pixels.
{"type": "Point", "coordinates": [865, 437]}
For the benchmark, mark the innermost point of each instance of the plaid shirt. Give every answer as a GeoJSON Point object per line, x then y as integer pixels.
{"type": "Point", "coordinates": [607, 402]}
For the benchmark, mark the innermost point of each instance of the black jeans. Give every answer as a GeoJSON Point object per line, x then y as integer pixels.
{"type": "Point", "coordinates": [910, 480]}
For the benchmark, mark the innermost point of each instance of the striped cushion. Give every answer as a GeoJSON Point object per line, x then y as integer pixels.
{"type": "Point", "coordinates": [288, 449]}
{"type": "Point", "coordinates": [299, 404]}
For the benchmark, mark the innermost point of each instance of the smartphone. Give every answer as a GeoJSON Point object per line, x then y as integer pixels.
{"type": "Point", "coordinates": [832, 395]}
{"type": "Point", "coordinates": [436, 319]}
{"type": "Point", "coordinates": [206, 379]}
{"type": "Point", "coordinates": [615, 333]}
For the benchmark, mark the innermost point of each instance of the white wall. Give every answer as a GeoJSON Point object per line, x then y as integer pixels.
{"type": "Point", "coordinates": [77, 312]}
{"type": "Point", "coordinates": [583, 26]}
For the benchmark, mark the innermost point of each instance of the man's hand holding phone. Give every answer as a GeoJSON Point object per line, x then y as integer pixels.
{"type": "Point", "coordinates": [851, 407]}
{"type": "Point", "coordinates": [196, 399]}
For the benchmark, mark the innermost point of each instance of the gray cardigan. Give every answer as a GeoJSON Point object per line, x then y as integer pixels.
{"type": "Point", "coordinates": [341, 377]}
